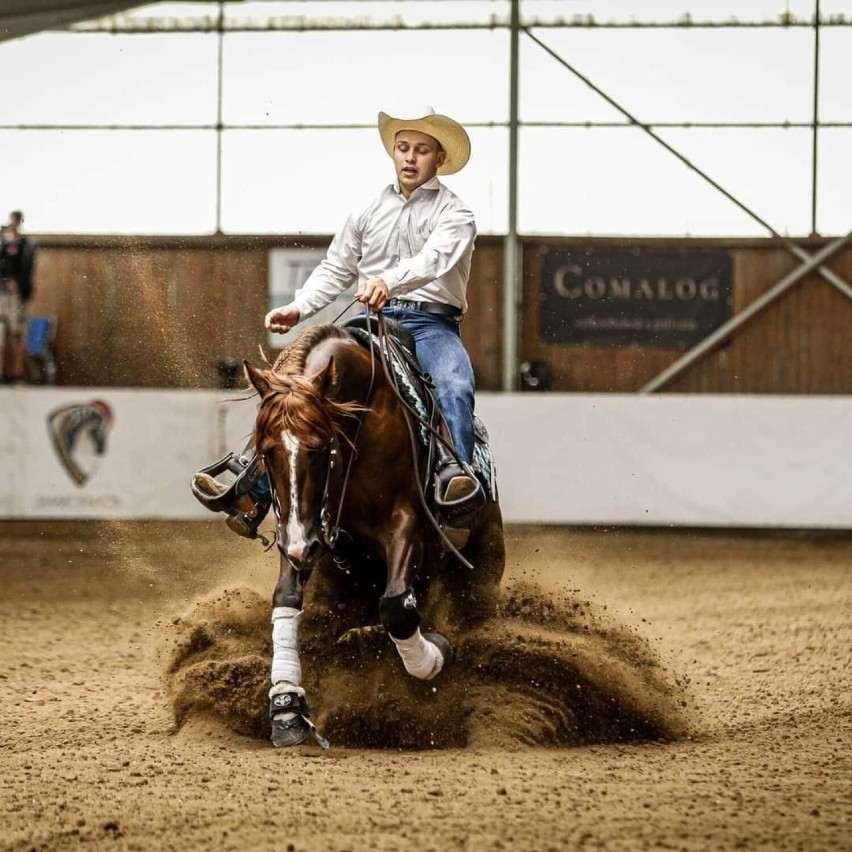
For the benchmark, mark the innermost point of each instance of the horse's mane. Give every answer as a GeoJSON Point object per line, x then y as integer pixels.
{"type": "Point", "coordinates": [295, 403]}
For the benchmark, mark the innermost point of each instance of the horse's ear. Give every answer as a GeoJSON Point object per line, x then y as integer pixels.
{"type": "Point", "coordinates": [256, 379]}
{"type": "Point", "coordinates": [326, 379]}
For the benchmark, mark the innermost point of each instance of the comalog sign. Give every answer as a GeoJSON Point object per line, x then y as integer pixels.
{"type": "Point", "coordinates": [634, 297]}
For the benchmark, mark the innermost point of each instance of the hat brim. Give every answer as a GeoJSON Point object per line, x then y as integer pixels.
{"type": "Point", "coordinates": [452, 136]}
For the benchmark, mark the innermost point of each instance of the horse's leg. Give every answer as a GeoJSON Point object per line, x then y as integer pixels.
{"type": "Point", "coordinates": [288, 709]}
{"type": "Point", "coordinates": [479, 591]}
{"type": "Point", "coordinates": [461, 598]}
{"type": "Point", "coordinates": [423, 656]}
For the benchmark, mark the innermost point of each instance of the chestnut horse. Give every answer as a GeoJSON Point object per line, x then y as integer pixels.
{"type": "Point", "coordinates": [339, 454]}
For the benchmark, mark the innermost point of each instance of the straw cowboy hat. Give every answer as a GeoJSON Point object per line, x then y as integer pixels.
{"type": "Point", "coordinates": [451, 135]}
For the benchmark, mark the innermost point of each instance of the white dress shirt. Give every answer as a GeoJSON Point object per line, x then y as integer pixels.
{"type": "Point", "coordinates": [420, 247]}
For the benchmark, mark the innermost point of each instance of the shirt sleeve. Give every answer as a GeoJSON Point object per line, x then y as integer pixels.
{"type": "Point", "coordinates": [337, 271]}
{"type": "Point", "coordinates": [445, 247]}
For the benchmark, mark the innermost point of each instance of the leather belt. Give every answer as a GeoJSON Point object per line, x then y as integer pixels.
{"type": "Point", "coordinates": [440, 309]}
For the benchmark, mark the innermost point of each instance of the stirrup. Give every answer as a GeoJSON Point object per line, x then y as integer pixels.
{"type": "Point", "coordinates": [245, 510]}
{"type": "Point", "coordinates": [223, 497]}
{"type": "Point", "coordinates": [455, 499]}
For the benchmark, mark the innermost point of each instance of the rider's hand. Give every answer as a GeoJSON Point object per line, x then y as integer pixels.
{"type": "Point", "coordinates": [281, 320]}
{"type": "Point", "coordinates": [373, 293]}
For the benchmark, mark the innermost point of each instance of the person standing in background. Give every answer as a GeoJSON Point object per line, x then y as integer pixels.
{"type": "Point", "coordinates": [17, 255]}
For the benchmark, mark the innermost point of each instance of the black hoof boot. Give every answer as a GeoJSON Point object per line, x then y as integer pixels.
{"type": "Point", "coordinates": [289, 732]}
{"type": "Point", "coordinates": [290, 720]}
{"type": "Point", "coordinates": [444, 646]}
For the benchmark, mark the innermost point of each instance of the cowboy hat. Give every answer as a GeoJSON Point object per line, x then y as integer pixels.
{"type": "Point", "coordinates": [452, 136]}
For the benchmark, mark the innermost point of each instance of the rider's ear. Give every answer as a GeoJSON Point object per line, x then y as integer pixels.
{"type": "Point", "coordinates": [326, 378]}
{"type": "Point", "coordinates": [256, 379]}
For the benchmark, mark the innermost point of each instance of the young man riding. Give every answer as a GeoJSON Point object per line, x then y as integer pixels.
{"type": "Point", "coordinates": [410, 251]}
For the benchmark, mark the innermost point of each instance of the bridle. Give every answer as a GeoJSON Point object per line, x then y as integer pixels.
{"type": "Point", "coordinates": [329, 529]}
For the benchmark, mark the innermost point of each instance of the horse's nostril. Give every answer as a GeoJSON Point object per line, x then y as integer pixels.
{"type": "Point", "coordinates": [312, 552]}
{"type": "Point", "coordinates": [307, 554]}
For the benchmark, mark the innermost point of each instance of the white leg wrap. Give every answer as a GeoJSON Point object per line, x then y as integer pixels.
{"type": "Point", "coordinates": [421, 658]}
{"type": "Point", "coordinates": [285, 646]}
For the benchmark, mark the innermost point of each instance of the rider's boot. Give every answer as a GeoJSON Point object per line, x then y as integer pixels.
{"type": "Point", "coordinates": [244, 500]}
{"type": "Point", "coordinates": [458, 493]}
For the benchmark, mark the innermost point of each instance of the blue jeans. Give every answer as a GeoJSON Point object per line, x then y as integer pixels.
{"type": "Point", "coordinates": [442, 355]}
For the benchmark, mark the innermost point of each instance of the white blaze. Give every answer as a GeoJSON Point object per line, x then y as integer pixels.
{"type": "Point", "coordinates": [295, 530]}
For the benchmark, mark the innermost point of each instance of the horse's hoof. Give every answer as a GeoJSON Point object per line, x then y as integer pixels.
{"type": "Point", "coordinates": [444, 646]}
{"type": "Point", "coordinates": [362, 638]}
{"type": "Point", "coordinates": [289, 732]}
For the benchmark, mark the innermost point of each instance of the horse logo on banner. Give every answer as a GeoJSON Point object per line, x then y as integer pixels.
{"type": "Point", "coordinates": [79, 433]}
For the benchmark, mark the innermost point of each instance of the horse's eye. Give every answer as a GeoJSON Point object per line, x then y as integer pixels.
{"type": "Point", "coordinates": [315, 457]}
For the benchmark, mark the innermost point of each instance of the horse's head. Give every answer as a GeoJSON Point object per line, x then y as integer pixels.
{"type": "Point", "coordinates": [299, 431]}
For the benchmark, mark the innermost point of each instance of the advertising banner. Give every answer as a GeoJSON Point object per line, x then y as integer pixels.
{"type": "Point", "coordinates": [721, 461]}
{"type": "Point", "coordinates": [633, 297]}
{"type": "Point", "coordinates": [112, 453]}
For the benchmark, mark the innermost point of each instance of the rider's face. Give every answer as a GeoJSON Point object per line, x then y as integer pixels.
{"type": "Point", "coordinates": [417, 158]}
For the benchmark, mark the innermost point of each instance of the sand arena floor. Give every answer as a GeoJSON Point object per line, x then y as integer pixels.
{"type": "Point", "coordinates": [753, 631]}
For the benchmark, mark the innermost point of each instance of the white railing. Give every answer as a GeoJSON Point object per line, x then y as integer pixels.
{"type": "Point", "coordinates": [715, 461]}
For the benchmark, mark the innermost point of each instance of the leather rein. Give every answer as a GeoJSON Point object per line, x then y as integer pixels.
{"type": "Point", "coordinates": [331, 530]}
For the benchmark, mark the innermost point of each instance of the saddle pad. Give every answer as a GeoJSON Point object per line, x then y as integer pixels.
{"type": "Point", "coordinates": [410, 393]}
{"type": "Point", "coordinates": [483, 461]}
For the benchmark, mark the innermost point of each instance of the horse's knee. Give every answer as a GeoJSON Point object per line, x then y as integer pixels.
{"type": "Point", "coordinates": [290, 589]}
{"type": "Point", "coordinates": [399, 614]}
{"type": "Point", "coordinates": [288, 598]}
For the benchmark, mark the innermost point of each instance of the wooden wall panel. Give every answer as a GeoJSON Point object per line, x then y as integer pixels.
{"type": "Point", "coordinates": [151, 317]}
{"type": "Point", "coordinates": [482, 329]}
{"type": "Point", "coordinates": [801, 344]}
{"type": "Point", "coordinates": [157, 312]}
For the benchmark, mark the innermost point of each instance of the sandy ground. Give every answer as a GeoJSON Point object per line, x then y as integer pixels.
{"type": "Point", "coordinates": [757, 624]}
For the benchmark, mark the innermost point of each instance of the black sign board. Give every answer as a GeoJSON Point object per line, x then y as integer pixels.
{"type": "Point", "coordinates": [624, 297]}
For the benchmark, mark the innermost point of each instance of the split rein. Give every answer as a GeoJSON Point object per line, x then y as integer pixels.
{"type": "Point", "coordinates": [386, 344]}
{"type": "Point", "coordinates": [330, 531]}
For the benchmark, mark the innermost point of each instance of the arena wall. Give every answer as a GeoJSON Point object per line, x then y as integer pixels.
{"type": "Point", "coordinates": [601, 459]}
{"type": "Point", "coordinates": [161, 312]}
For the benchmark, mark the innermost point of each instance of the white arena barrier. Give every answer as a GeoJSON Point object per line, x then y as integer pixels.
{"type": "Point", "coordinates": [702, 461]}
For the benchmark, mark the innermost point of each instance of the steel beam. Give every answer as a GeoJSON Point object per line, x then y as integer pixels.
{"type": "Point", "coordinates": [511, 244]}
{"type": "Point", "coordinates": [815, 131]}
{"type": "Point", "coordinates": [220, 115]}
{"type": "Point", "coordinates": [832, 278]}
{"type": "Point", "coordinates": [128, 24]}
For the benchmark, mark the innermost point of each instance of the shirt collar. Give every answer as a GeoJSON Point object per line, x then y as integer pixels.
{"type": "Point", "coordinates": [432, 184]}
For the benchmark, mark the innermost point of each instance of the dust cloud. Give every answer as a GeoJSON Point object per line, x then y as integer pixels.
{"type": "Point", "coordinates": [550, 669]}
